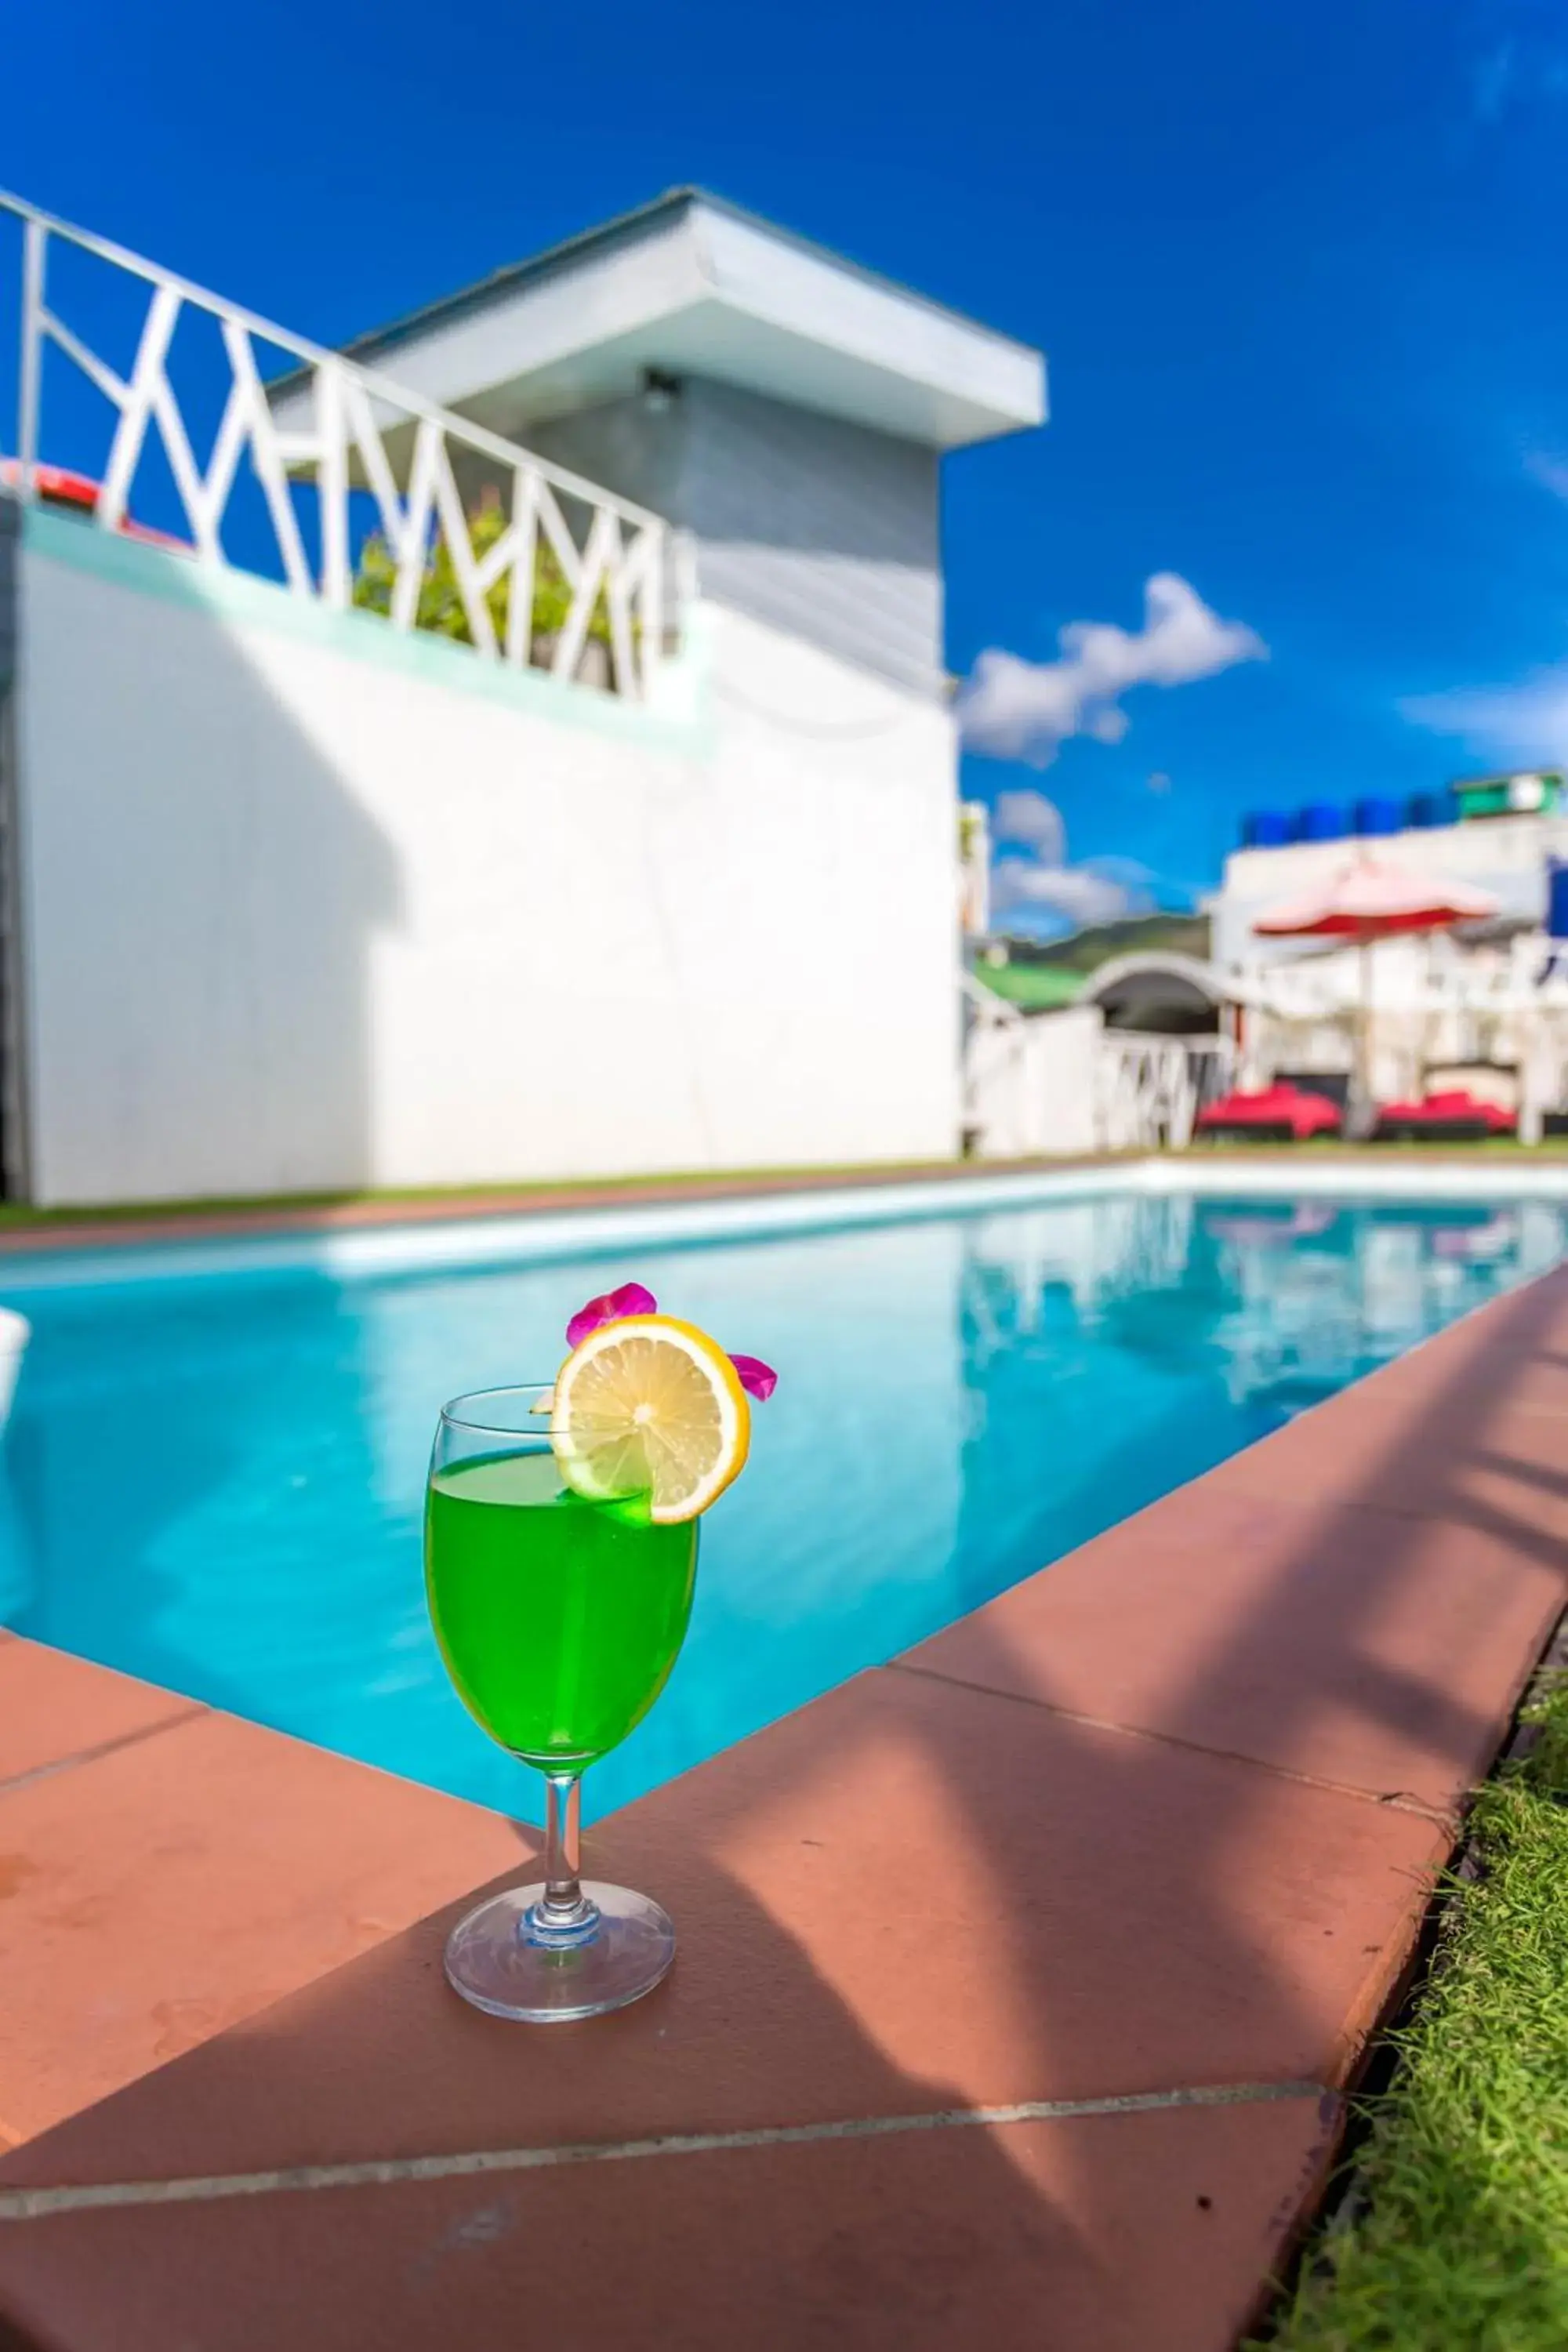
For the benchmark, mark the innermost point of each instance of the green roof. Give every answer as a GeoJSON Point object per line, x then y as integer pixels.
{"type": "Point", "coordinates": [1036, 987]}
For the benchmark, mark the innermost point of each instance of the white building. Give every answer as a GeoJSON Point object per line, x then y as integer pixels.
{"type": "Point", "coordinates": [1506, 856]}
{"type": "Point", "coordinates": [1478, 1008]}
{"type": "Point", "coordinates": [1153, 1034]}
{"type": "Point", "coordinates": [660, 876]}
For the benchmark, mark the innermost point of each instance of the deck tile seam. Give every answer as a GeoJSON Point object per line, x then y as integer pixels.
{"type": "Point", "coordinates": [1400, 1801]}
{"type": "Point", "coordinates": [1443, 1510]}
{"type": "Point", "coordinates": [39, 2203]}
{"type": "Point", "coordinates": [106, 1747]}
{"type": "Point", "coordinates": [1221, 1479]}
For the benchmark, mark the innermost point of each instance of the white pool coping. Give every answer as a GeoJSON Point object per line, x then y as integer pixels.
{"type": "Point", "coordinates": [541, 1238]}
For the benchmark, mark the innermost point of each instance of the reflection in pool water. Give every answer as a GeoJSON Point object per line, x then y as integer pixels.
{"type": "Point", "coordinates": [217, 1484]}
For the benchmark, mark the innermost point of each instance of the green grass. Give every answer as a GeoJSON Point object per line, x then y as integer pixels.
{"type": "Point", "coordinates": [1488, 1147]}
{"type": "Point", "coordinates": [19, 1216]}
{"type": "Point", "coordinates": [1463, 2246]}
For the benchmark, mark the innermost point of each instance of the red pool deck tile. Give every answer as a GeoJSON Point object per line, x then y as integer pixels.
{"type": "Point", "coordinates": [1357, 1647]}
{"type": "Point", "coordinates": [1106, 2234]}
{"type": "Point", "coordinates": [154, 1891]}
{"type": "Point", "coordinates": [909, 1896]}
{"type": "Point", "coordinates": [1483, 1464]}
{"type": "Point", "coordinates": [55, 1709]}
{"type": "Point", "coordinates": [1157, 1829]}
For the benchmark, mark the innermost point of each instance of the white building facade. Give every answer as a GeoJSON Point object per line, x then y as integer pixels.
{"type": "Point", "coordinates": [1484, 1009]}
{"type": "Point", "coordinates": [1509, 857]}
{"type": "Point", "coordinates": [305, 897]}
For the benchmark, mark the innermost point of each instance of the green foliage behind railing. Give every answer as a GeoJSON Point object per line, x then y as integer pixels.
{"type": "Point", "coordinates": [441, 607]}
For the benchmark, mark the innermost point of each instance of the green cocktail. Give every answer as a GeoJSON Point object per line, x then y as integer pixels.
{"type": "Point", "coordinates": [559, 1615]}
{"type": "Point", "coordinates": [560, 1556]}
{"type": "Point", "coordinates": [559, 1619]}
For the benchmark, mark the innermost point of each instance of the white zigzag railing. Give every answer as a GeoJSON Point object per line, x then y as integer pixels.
{"type": "Point", "coordinates": [1150, 1089]}
{"type": "Point", "coordinates": [613, 573]}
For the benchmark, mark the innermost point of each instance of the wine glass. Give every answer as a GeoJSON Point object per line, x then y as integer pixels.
{"type": "Point", "coordinates": [559, 1619]}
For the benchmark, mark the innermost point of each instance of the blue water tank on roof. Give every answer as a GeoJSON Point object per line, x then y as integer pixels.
{"type": "Point", "coordinates": [1265, 829]}
{"type": "Point", "coordinates": [1431, 808]}
{"type": "Point", "coordinates": [1321, 821]}
{"type": "Point", "coordinates": [1378, 814]}
{"type": "Point", "coordinates": [1557, 897]}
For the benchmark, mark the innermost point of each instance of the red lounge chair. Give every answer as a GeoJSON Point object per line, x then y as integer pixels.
{"type": "Point", "coordinates": [1281, 1114]}
{"type": "Point", "coordinates": [1457, 1117]}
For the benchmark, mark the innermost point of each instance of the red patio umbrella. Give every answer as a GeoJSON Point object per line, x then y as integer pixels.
{"type": "Point", "coordinates": [1368, 900]}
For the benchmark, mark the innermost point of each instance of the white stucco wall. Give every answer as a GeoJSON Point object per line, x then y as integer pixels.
{"type": "Point", "coordinates": [1033, 1083]}
{"type": "Point", "coordinates": [308, 906]}
{"type": "Point", "coordinates": [824, 529]}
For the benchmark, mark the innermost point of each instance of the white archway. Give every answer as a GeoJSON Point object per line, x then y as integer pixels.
{"type": "Point", "coordinates": [1160, 994]}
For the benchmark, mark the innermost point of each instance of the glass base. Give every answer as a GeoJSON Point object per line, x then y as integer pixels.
{"type": "Point", "coordinates": [511, 1961]}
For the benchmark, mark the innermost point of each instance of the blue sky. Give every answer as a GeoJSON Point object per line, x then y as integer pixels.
{"type": "Point", "coordinates": [1299, 273]}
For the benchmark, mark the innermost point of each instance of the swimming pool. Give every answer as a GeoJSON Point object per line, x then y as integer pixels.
{"type": "Point", "coordinates": [213, 1474]}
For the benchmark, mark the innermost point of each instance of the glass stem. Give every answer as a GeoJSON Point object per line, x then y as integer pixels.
{"type": "Point", "coordinates": [565, 1904]}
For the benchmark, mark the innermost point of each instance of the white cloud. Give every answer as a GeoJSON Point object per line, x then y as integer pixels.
{"type": "Point", "coordinates": [1039, 890]}
{"type": "Point", "coordinates": [1016, 709]}
{"type": "Point", "coordinates": [1070, 898]}
{"type": "Point", "coordinates": [1031, 818]}
{"type": "Point", "coordinates": [1525, 722]}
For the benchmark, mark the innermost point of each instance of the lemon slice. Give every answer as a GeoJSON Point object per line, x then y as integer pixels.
{"type": "Point", "coordinates": [650, 1405]}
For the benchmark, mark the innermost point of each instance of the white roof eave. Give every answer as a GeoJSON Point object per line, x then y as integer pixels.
{"type": "Point", "coordinates": [704, 291]}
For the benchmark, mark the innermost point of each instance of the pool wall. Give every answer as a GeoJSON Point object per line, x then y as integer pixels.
{"type": "Point", "coordinates": [51, 1258]}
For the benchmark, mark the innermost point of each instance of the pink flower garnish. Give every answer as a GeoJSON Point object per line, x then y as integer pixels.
{"type": "Point", "coordinates": [631, 1299]}
{"type": "Point", "coordinates": [758, 1380]}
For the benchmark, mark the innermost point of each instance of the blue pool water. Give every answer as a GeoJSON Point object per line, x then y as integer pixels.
{"type": "Point", "coordinates": [216, 1482]}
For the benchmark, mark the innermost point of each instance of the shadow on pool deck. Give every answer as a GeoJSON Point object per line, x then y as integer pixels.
{"type": "Point", "coordinates": [1159, 1823]}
